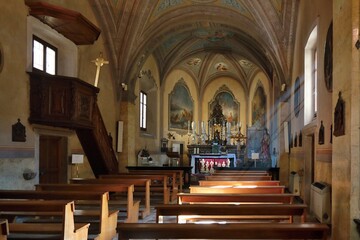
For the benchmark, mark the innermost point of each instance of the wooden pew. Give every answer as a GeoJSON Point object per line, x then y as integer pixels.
{"type": "Point", "coordinates": [239, 171]}
{"type": "Point", "coordinates": [223, 198]}
{"type": "Point", "coordinates": [103, 222]}
{"type": "Point", "coordinates": [204, 183]}
{"type": "Point", "coordinates": [155, 180]}
{"type": "Point", "coordinates": [142, 184]}
{"type": "Point", "coordinates": [132, 207]}
{"type": "Point", "coordinates": [65, 230]}
{"type": "Point", "coordinates": [175, 176]}
{"type": "Point", "coordinates": [277, 212]}
{"type": "Point", "coordinates": [237, 178]}
{"type": "Point", "coordinates": [240, 174]}
{"type": "Point", "coordinates": [239, 189]}
{"type": "Point", "coordinates": [4, 229]}
{"type": "Point", "coordinates": [223, 231]}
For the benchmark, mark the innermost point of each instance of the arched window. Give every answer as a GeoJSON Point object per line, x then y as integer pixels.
{"type": "Point", "coordinates": [310, 72]}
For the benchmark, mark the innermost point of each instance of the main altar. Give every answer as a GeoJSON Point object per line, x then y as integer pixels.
{"type": "Point", "coordinates": [219, 143]}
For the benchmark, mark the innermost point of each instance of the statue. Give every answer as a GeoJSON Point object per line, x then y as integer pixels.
{"type": "Point", "coordinates": [339, 117]}
{"type": "Point", "coordinates": [265, 146]}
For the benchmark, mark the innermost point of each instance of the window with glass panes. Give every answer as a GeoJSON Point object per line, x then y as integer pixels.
{"type": "Point", "coordinates": [143, 109]}
{"type": "Point", "coordinates": [44, 56]}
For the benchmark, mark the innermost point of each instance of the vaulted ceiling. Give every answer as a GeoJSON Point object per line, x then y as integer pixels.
{"type": "Point", "coordinates": [206, 38]}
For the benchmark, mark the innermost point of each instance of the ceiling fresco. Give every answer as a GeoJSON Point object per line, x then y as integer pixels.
{"type": "Point", "coordinates": [206, 38]}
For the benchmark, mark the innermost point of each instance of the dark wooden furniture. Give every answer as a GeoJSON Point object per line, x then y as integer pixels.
{"type": "Point", "coordinates": [194, 198]}
{"type": "Point", "coordinates": [141, 185]}
{"type": "Point", "coordinates": [69, 102]}
{"type": "Point", "coordinates": [186, 171]}
{"type": "Point", "coordinates": [223, 231]}
{"type": "Point", "coordinates": [239, 189]}
{"type": "Point", "coordinates": [131, 205]}
{"type": "Point", "coordinates": [102, 220]}
{"type": "Point", "coordinates": [247, 212]}
{"type": "Point", "coordinates": [65, 230]}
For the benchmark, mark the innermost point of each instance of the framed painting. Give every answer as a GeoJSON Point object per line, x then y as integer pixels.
{"type": "Point", "coordinates": [258, 106]}
{"type": "Point", "coordinates": [230, 106]}
{"type": "Point", "coordinates": [181, 107]}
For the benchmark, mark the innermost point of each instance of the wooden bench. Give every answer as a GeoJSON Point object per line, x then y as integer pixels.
{"type": "Point", "coordinates": [277, 212]}
{"type": "Point", "coordinates": [4, 229]}
{"type": "Point", "coordinates": [174, 176]}
{"type": "Point", "coordinates": [141, 184]}
{"type": "Point", "coordinates": [239, 189]}
{"type": "Point", "coordinates": [65, 230]}
{"type": "Point", "coordinates": [204, 183]}
{"type": "Point", "coordinates": [237, 178]}
{"type": "Point", "coordinates": [132, 207]}
{"type": "Point", "coordinates": [239, 171]}
{"type": "Point", "coordinates": [159, 182]}
{"type": "Point", "coordinates": [240, 174]}
{"type": "Point", "coordinates": [223, 231]}
{"type": "Point", "coordinates": [222, 198]}
{"type": "Point", "coordinates": [103, 222]}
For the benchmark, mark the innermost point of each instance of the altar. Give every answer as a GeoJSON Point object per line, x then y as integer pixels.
{"type": "Point", "coordinates": [205, 163]}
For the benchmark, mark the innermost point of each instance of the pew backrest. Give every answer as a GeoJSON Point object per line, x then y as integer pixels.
{"type": "Point", "coordinates": [65, 208]}
{"type": "Point", "coordinates": [237, 178]}
{"type": "Point", "coordinates": [107, 220]}
{"type": "Point", "coordinates": [132, 207]}
{"type": "Point", "coordinates": [223, 231]}
{"type": "Point", "coordinates": [4, 229]}
{"type": "Point", "coordinates": [239, 189]}
{"type": "Point", "coordinates": [204, 183]}
{"type": "Point", "coordinates": [220, 198]}
{"type": "Point", "coordinates": [231, 211]}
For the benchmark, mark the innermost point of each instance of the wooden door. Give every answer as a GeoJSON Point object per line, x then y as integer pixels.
{"type": "Point", "coordinates": [53, 159]}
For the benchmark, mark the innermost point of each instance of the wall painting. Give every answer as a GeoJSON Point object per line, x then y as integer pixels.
{"type": "Point", "coordinates": [181, 107]}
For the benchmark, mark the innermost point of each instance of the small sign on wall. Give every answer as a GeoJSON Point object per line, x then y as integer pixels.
{"type": "Point", "coordinates": [77, 158]}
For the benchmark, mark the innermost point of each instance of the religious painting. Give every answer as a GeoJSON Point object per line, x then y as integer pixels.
{"type": "Point", "coordinates": [339, 117]}
{"type": "Point", "coordinates": [181, 107]}
{"type": "Point", "coordinates": [230, 106]}
{"type": "Point", "coordinates": [258, 108]}
{"type": "Point", "coordinates": [328, 59]}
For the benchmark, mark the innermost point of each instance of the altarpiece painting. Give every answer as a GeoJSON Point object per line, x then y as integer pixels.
{"type": "Point", "coordinates": [230, 106]}
{"type": "Point", "coordinates": [181, 107]}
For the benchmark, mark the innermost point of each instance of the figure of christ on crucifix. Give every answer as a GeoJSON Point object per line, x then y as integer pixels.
{"type": "Point", "coordinates": [99, 62]}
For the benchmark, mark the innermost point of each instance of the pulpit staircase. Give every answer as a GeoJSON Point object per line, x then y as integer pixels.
{"type": "Point", "coordinates": [68, 102]}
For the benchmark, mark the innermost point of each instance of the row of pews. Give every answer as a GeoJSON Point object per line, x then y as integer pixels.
{"type": "Point", "coordinates": [230, 205]}
{"type": "Point", "coordinates": [84, 208]}
{"type": "Point", "coordinates": [242, 205]}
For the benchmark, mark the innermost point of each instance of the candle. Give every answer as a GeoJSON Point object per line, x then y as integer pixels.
{"type": "Point", "coordinates": [188, 127]}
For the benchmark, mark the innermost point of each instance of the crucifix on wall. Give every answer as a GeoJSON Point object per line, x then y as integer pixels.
{"type": "Point", "coordinates": [99, 62]}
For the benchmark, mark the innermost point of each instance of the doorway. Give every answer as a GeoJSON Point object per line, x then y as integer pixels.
{"type": "Point", "coordinates": [52, 159]}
